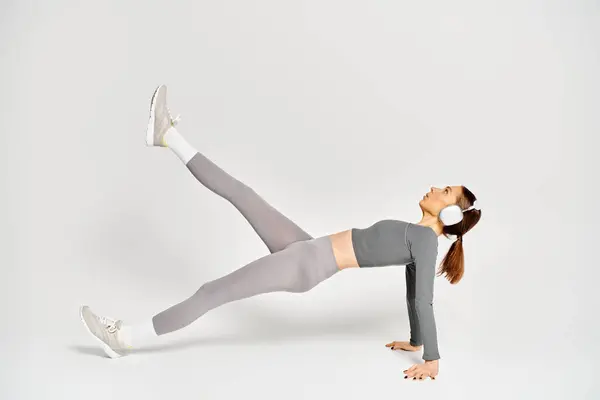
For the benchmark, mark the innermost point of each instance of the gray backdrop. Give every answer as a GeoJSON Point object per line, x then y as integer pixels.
{"type": "Point", "coordinates": [339, 113]}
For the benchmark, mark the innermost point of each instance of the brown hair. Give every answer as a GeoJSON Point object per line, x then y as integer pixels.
{"type": "Point", "coordinates": [453, 264]}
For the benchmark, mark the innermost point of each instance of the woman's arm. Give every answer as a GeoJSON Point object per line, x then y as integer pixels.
{"type": "Point", "coordinates": [415, 331]}
{"type": "Point", "coordinates": [425, 257]}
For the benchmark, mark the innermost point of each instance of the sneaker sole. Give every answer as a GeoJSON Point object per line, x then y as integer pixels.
{"type": "Point", "coordinates": [150, 130]}
{"type": "Point", "coordinates": [109, 352]}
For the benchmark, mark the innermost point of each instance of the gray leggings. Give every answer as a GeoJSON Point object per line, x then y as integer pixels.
{"type": "Point", "coordinates": [297, 263]}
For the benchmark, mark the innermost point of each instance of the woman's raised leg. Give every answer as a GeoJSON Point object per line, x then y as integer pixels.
{"type": "Point", "coordinates": [275, 229]}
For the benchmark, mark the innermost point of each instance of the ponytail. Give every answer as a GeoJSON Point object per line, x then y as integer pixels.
{"type": "Point", "coordinates": [453, 264]}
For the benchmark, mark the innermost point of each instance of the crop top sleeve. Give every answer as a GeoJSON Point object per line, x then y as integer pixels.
{"type": "Point", "coordinates": [420, 274]}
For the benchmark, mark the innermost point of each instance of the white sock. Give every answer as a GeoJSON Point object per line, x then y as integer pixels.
{"type": "Point", "coordinates": [179, 145]}
{"type": "Point", "coordinates": [138, 335]}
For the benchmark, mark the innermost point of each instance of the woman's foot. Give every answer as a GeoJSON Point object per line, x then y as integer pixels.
{"type": "Point", "coordinates": [160, 118]}
{"type": "Point", "coordinates": [107, 331]}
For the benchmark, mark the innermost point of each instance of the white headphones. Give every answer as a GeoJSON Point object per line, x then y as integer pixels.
{"type": "Point", "coordinates": [454, 214]}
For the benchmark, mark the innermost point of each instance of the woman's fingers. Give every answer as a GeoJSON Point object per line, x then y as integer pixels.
{"type": "Point", "coordinates": [395, 346]}
{"type": "Point", "coordinates": [418, 373]}
{"type": "Point", "coordinates": [411, 371]}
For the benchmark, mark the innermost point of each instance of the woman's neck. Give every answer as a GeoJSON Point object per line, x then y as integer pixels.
{"type": "Point", "coordinates": [432, 222]}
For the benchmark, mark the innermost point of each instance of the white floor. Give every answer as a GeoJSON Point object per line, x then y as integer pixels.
{"type": "Point", "coordinates": [339, 113]}
{"type": "Point", "coordinates": [317, 345]}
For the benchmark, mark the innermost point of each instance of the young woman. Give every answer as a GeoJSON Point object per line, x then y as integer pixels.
{"type": "Point", "coordinates": [298, 262]}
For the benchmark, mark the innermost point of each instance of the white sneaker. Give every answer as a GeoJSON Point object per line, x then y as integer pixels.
{"type": "Point", "coordinates": [160, 118]}
{"type": "Point", "coordinates": [106, 331]}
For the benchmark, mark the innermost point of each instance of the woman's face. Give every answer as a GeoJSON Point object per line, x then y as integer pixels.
{"type": "Point", "coordinates": [438, 198]}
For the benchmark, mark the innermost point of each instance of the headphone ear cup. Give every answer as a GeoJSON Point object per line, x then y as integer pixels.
{"type": "Point", "coordinates": [451, 215]}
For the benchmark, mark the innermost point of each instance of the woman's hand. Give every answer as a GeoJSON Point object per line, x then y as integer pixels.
{"type": "Point", "coordinates": [422, 371]}
{"type": "Point", "coordinates": [403, 346]}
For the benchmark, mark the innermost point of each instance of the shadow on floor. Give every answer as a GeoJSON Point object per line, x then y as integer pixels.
{"type": "Point", "coordinates": [264, 326]}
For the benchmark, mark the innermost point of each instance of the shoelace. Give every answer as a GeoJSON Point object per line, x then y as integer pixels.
{"type": "Point", "coordinates": [113, 328]}
{"type": "Point", "coordinates": [175, 120]}
{"type": "Point", "coordinates": [110, 324]}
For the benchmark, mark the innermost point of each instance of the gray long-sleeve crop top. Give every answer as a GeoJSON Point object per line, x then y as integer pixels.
{"type": "Point", "coordinates": [391, 242]}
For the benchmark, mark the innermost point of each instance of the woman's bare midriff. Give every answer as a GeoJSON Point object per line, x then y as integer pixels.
{"type": "Point", "coordinates": [343, 249]}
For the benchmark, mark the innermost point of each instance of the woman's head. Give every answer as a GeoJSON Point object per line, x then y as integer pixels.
{"type": "Point", "coordinates": [432, 203]}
